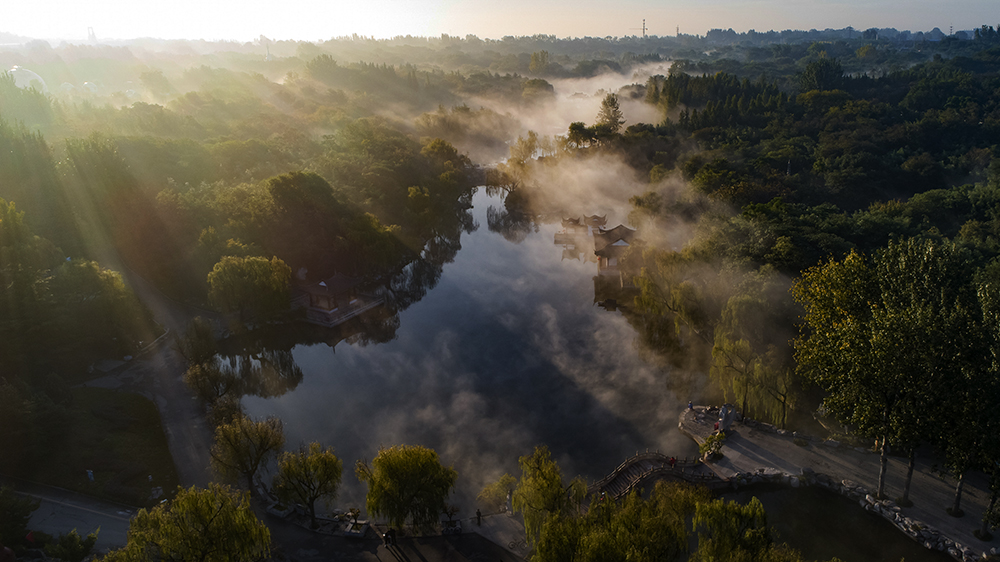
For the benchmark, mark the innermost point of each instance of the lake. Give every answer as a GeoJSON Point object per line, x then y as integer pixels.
{"type": "Point", "coordinates": [821, 525]}
{"type": "Point", "coordinates": [507, 351]}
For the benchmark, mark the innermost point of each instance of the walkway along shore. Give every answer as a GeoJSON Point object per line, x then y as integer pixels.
{"type": "Point", "coordinates": [756, 452]}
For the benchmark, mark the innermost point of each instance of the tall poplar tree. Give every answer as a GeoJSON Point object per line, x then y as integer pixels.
{"type": "Point", "coordinates": [882, 333]}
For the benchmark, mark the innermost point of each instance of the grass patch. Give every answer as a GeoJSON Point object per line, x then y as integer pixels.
{"type": "Point", "coordinates": [117, 435]}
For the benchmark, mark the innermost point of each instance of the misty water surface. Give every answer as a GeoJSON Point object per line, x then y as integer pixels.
{"type": "Point", "coordinates": [508, 351]}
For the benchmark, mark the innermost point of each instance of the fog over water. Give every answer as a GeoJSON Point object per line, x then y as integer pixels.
{"type": "Point", "coordinates": [579, 99]}
{"type": "Point", "coordinates": [508, 351]}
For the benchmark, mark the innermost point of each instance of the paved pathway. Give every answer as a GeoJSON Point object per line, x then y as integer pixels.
{"type": "Point", "coordinates": [747, 448]}
{"type": "Point", "coordinates": [159, 376]}
{"type": "Point", "coordinates": [60, 511]}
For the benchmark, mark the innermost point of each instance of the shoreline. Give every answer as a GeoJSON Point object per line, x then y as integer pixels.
{"type": "Point", "coordinates": [758, 453]}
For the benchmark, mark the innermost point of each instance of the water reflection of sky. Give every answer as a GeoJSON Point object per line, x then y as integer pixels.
{"type": "Point", "coordinates": [508, 351]}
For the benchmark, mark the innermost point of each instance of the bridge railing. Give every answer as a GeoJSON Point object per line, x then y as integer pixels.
{"type": "Point", "coordinates": [679, 464]}
{"type": "Point", "coordinates": [701, 478]}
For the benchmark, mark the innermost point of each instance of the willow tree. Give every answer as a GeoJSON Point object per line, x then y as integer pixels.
{"type": "Point", "coordinates": [307, 476]}
{"type": "Point", "coordinates": [215, 524]}
{"type": "Point", "coordinates": [881, 333]}
{"type": "Point", "coordinates": [635, 528]}
{"type": "Point", "coordinates": [250, 286]}
{"type": "Point", "coordinates": [494, 495]}
{"type": "Point", "coordinates": [243, 446]}
{"type": "Point", "coordinates": [729, 531]}
{"type": "Point", "coordinates": [407, 483]}
{"type": "Point", "coordinates": [541, 492]}
{"type": "Point", "coordinates": [747, 361]}
{"type": "Point", "coordinates": [211, 382]}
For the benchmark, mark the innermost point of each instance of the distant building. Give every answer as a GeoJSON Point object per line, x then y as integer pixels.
{"type": "Point", "coordinates": [334, 300]}
{"type": "Point", "coordinates": [24, 79]}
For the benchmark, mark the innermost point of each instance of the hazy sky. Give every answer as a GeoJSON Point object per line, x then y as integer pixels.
{"type": "Point", "coordinates": [322, 19]}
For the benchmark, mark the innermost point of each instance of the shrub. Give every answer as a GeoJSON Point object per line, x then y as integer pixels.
{"type": "Point", "coordinates": [712, 447]}
{"type": "Point", "coordinates": [72, 547]}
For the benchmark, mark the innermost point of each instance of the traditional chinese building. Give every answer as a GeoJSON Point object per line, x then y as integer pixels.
{"type": "Point", "coordinates": [335, 300]}
{"type": "Point", "coordinates": [609, 247]}
{"type": "Point", "coordinates": [576, 233]}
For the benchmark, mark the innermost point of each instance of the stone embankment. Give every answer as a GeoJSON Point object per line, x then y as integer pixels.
{"type": "Point", "coordinates": [759, 453]}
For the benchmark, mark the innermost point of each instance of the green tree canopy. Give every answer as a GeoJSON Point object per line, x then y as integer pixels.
{"type": "Point", "coordinates": [310, 474]}
{"type": "Point", "coordinates": [493, 496]}
{"type": "Point", "coordinates": [733, 532]}
{"type": "Point", "coordinates": [243, 446]}
{"type": "Point", "coordinates": [215, 524]}
{"type": "Point", "coordinates": [250, 285]}
{"type": "Point", "coordinates": [198, 344]}
{"type": "Point", "coordinates": [634, 529]}
{"type": "Point", "coordinates": [881, 333]}
{"type": "Point", "coordinates": [610, 115]}
{"type": "Point", "coordinates": [15, 512]}
{"type": "Point", "coordinates": [539, 62]}
{"type": "Point", "coordinates": [541, 492]}
{"type": "Point", "coordinates": [210, 381]}
{"type": "Point", "coordinates": [407, 482]}
{"type": "Point", "coordinates": [71, 547]}
{"type": "Point", "coordinates": [822, 74]}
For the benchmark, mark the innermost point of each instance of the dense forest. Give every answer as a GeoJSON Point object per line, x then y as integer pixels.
{"type": "Point", "coordinates": [782, 168]}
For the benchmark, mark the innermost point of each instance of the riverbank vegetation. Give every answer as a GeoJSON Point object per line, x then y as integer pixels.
{"type": "Point", "coordinates": [114, 436]}
{"type": "Point", "coordinates": [214, 523]}
{"type": "Point", "coordinates": [675, 521]}
{"type": "Point", "coordinates": [756, 176]}
{"type": "Point", "coordinates": [224, 177]}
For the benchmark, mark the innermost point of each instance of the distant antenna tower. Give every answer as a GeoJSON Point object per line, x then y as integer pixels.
{"type": "Point", "coordinates": [643, 28]}
{"type": "Point", "coordinates": [678, 31]}
{"type": "Point", "coordinates": [951, 30]}
{"type": "Point", "coordinates": [91, 36]}
{"type": "Point", "coordinates": [267, 47]}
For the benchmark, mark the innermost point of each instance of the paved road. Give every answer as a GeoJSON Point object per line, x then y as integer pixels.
{"type": "Point", "coordinates": [60, 511]}
{"type": "Point", "coordinates": [746, 449]}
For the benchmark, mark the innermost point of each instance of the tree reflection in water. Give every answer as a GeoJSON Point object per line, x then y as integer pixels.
{"type": "Point", "coordinates": [514, 221]}
{"type": "Point", "coordinates": [262, 360]}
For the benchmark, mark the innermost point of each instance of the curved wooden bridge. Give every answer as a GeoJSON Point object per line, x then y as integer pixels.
{"type": "Point", "coordinates": [647, 466]}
